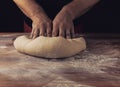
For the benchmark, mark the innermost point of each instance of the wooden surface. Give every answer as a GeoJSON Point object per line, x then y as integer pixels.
{"type": "Point", "coordinates": [97, 66]}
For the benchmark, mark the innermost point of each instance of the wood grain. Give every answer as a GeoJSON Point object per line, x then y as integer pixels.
{"type": "Point", "coordinates": [97, 66]}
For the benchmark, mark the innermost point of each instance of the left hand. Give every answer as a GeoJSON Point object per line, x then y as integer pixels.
{"type": "Point", "coordinates": [63, 25]}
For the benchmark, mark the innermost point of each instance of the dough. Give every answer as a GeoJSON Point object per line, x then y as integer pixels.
{"type": "Point", "coordinates": [49, 47]}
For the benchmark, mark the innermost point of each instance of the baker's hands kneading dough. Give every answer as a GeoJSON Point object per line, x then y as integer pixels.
{"type": "Point", "coordinates": [41, 26]}
{"type": "Point", "coordinates": [63, 25]}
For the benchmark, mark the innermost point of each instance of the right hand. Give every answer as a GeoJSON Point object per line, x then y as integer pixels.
{"type": "Point", "coordinates": [41, 26]}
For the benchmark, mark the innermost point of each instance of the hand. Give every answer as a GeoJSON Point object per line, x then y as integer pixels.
{"type": "Point", "coordinates": [41, 26]}
{"type": "Point", "coordinates": [63, 25]}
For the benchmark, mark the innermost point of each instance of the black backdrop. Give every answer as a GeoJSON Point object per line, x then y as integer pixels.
{"type": "Point", "coordinates": [104, 17]}
{"type": "Point", "coordinates": [11, 19]}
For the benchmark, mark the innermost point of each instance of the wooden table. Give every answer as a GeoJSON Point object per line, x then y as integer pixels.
{"type": "Point", "coordinates": [97, 66]}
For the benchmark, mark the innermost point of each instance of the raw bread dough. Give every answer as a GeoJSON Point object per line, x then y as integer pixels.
{"type": "Point", "coordinates": [49, 47]}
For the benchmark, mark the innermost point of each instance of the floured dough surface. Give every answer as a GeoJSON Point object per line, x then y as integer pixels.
{"type": "Point", "coordinates": [49, 47]}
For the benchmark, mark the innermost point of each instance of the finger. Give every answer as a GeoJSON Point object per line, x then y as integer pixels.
{"type": "Point", "coordinates": [49, 31]}
{"type": "Point", "coordinates": [68, 34]}
{"type": "Point", "coordinates": [42, 31]}
{"type": "Point", "coordinates": [55, 30]}
{"type": "Point", "coordinates": [36, 33]}
{"type": "Point", "coordinates": [72, 32]}
{"type": "Point", "coordinates": [62, 32]}
{"type": "Point", "coordinates": [32, 33]}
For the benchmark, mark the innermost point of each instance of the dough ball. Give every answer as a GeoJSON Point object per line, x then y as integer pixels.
{"type": "Point", "coordinates": [49, 47]}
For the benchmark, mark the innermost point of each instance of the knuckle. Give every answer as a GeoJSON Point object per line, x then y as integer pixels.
{"type": "Point", "coordinates": [55, 28]}
{"type": "Point", "coordinates": [42, 24]}
{"type": "Point", "coordinates": [55, 24]}
{"type": "Point", "coordinates": [62, 25]}
{"type": "Point", "coordinates": [48, 23]}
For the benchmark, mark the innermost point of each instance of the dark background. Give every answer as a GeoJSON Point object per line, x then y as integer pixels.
{"type": "Point", "coordinates": [104, 17]}
{"type": "Point", "coordinates": [11, 19]}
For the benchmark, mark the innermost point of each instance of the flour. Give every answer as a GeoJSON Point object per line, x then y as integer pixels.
{"type": "Point", "coordinates": [3, 47]}
{"type": "Point", "coordinates": [91, 64]}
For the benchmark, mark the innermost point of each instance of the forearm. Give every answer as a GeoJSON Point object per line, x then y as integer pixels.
{"type": "Point", "coordinates": [30, 8]}
{"type": "Point", "coordinates": [78, 7]}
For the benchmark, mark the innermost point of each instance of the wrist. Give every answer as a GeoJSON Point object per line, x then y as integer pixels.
{"type": "Point", "coordinates": [39, 16]}
{"type": "Point", "coordinates": [67, 12]}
